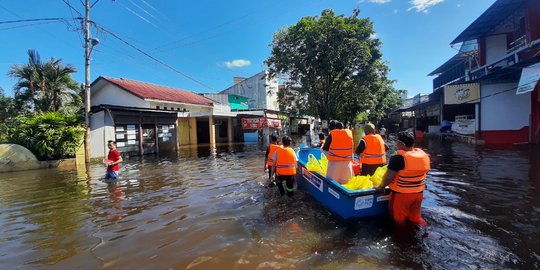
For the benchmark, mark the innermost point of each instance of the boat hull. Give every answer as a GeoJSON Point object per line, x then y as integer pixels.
{"type": "Point", "coordinates": [332, 195]}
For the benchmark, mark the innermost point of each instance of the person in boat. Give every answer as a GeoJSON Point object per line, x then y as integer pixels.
{"type": "Point", "coordinates": [371, 150]}
{"type": "Point", "coordinates": [268, 160]}
{"type": "Point", "coordinates": [284, 167]}
{"type": "Point", "coordinates": [113, 161]}
{"type": "Point", "coordinates": [321, 140]}
{"type": "Point", "coordinates": [406, 177]}
{"type": "Point", "coordinates": [382, 132]}
{"type": "Point", "coordinates": [339, 148]}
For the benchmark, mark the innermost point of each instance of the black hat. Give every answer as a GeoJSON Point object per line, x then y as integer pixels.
{"type": "Point", "coordinates": [406, 138]}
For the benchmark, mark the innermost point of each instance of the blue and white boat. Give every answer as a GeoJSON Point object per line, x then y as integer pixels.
{"type": "Point", "coordinates": [348, 204]}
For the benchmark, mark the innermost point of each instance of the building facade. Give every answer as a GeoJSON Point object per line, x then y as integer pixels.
{"type": "Point", "coordinates": [146, 118]}
{"type": "Point", "coordinates": [497, 50]}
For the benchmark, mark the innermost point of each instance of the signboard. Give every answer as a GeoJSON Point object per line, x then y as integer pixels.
{"type": "Point", "coordinates": [529, 78]}
{"type": "Point", "coordinates": [464, 125]}
{"type": "Point", "coordinates": [250, 123]}
{"type": "Point", "coordinates": [462, 93]}
{"type": "Point", "coordinates": [256, 123]}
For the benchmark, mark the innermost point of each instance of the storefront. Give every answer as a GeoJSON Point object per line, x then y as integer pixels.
{"type": "Point", "coordinates": [137, 131]}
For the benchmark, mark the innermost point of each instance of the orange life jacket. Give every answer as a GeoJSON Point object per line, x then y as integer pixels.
{"type": "Point", "coordinates": [412, 179]}
{"type": "Point", "coordinates": [286, 161]}
{"type": "Point", "coordinates": [341, 147]}
{"type": "Point", "coordinates": [375, 150]}
{"type": "Point", "coordinates": [273, 148]}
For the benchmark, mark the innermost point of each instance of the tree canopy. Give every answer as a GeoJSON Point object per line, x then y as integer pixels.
{"type": "Point", "coordinates": [333, 68]}
{"type": "Point", "coordinates": [45, 86]}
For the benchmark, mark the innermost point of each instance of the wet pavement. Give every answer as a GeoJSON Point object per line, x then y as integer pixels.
{"type": "Point", "coordinates": [210, 209]}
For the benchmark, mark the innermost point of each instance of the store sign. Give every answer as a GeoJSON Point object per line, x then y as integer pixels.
{"type": "Point", "coordinates": [462, 93]}
{"type": "Point", "coordinates": [250, 123]}
{"type": "Point", "coordinates": [256, 123]}
{"type": "Point", "coordinates": [529, 78]}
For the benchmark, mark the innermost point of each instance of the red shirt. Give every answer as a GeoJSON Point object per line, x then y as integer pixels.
{"type": "Point", "coordinates": [114, 155]}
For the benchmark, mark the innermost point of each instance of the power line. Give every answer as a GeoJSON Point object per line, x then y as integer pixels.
{"type": "Point", "coordinates": [43, 19]}
{"type": "Point", "coordinates": [28, 25]}
{"type": "Point", "coordinates": [151, 57]}
{"type": "Point", "coordinates": [72, 8]}
{"type": "Point", "coordinates": [94, 4]}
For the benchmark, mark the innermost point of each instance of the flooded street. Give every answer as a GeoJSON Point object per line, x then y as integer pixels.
{"type": "Point", "coordinates": [204, 209]}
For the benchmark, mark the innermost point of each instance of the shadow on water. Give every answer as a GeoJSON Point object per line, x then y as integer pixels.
{"type": "Point", "coordinates": [209, 208]}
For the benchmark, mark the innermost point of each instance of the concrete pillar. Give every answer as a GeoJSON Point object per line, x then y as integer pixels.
{"type": "Point", "coordinates": [193, 131]}
{"type": "Point", "coordinates": [230, 134]}
{"type": "Point", "coordinates": [212, 129]}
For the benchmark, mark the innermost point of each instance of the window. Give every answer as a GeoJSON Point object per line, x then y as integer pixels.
{"type": "Point", "coordinates": [157, 107]}
{"type": "Point", "coordinates": [164, 108]}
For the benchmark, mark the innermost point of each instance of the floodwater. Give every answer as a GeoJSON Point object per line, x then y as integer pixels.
{"type": "Point", "coordinates": [210, 209]}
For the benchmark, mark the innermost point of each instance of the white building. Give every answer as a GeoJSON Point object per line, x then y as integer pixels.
{"type": "Point", "coordinates": [146, 118]}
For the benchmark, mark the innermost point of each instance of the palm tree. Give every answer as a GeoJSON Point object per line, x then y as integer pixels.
{"type": "Point", "coordinates": [61, 92]}
{"type": "Point", "coordinates": [58, 92]}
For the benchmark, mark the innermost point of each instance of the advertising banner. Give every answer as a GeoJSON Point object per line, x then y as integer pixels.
{"type": "Point", "coordinates": [529, 78]}
{"type": "Point", "coordinates": [462, 93]}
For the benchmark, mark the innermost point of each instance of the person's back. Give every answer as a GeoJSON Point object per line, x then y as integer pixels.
{"type": "Point", "coordinates": [285, 167]}
{"type": "Point", "coordinates": [340, 147]}
{"type": "Point", "coordinates": [268, 161]}
{"type": "Point", "coordinates": [406, 175]}
{"type": "Point", "coordinates": [371, 150]}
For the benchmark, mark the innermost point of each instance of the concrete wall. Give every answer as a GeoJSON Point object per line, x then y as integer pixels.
{"type": "Point", "coordinates": [495, 48]}
{"type": "Point", "coordinates": [193, 110]}
{"type": "Point", "coordinates": [101, 130]}
{"type": "Point", "coordinates": [505, 111]}
{"type": "Point", "coordinates": [113, 95]}
{"type": "Point", "coordinates": [261, 91]}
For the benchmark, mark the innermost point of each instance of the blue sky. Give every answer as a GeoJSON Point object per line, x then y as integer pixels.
{"type": "Point", "coordinates": [213, 41]}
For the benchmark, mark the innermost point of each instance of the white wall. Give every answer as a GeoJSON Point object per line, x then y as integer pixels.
{"type": "Point", "coordinates": [194, 110]}
{"type": "Point", "coordinates": [101, 130]}
{"type": "Point", "coordinates": [505, 111]}
{"type": "Point", "coordinates": [262, 92]}
{"type": "Point", "coordinates": [495, 48]}
{"type": "Point", "coordinates": [113, 95]}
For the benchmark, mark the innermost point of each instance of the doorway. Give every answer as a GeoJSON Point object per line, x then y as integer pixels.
{"type": "Point", "coordinates": [149, 139]}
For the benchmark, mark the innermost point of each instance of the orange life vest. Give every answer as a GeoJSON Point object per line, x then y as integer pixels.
{"type": "Point", "coordinates": [286, 161]}
{"type": "Point", "coordinates": [273, 148]}
{"type": "Point", "coordinates": [375, 150]}
{"type": "Point", "coordinates": [341, 147]}
{"type": "Point", "coordinates": [412, 179]}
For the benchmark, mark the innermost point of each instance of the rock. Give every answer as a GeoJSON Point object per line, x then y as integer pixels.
{"type": "Point", "coordinates": [14, 157]}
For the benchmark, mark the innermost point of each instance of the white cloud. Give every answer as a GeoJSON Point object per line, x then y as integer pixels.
{"type": "Point", "coordinates": [423, 5]}
{"type": "Point", "coordinates": [378, 1]}
{"type": "Point", "coordinates": [237, 63]}
{"type": "Point", "coordinates": [396, 11]}
{"type": "Point", "coordinates": [459, 5]}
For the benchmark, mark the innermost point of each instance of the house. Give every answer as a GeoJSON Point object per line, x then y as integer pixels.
{"type": "Point", "coordinates": [263, 117]}
{"type": "Point", "coordinates": [147, 118]}
{"type": "Point", "coordinates": [479, 85]}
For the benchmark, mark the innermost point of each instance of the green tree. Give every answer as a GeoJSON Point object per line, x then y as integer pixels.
{"type": "Point", "coordinates": [48, 136]}
{"type": "Point", "coordinates": [45, 86]}
{"type": "Point", "coordinates": [7, 106]}
{"type": "Point", "coordinates": [332, 66]}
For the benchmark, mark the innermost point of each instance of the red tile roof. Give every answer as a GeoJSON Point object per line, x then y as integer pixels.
{"type": "Point", "coordinates": [153, 91]}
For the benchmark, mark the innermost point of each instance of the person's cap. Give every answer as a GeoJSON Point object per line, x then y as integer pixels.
{"type": "Point", "coordinates": [406, 138]}
{"type": "Point", "coordinates": [369, 128]}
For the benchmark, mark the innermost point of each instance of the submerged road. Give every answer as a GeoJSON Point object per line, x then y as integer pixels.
{"type": "Point", "coordinates": [209, 209]}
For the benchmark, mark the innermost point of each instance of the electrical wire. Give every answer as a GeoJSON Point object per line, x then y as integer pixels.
{"type": "Point", "coordinates": [152, 57]}
{"type": "Point", "coordinates": [38, 20]}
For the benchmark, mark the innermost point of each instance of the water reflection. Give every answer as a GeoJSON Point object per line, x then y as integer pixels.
{"type": "Point", "coordinates": [204, 208]}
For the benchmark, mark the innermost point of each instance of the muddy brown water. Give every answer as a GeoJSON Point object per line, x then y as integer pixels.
{"type": "Point", "coordinates": [210, 209]}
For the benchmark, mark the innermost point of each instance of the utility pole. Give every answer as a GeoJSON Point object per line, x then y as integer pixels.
{"type": "Point", "coordinates": [87, 81]}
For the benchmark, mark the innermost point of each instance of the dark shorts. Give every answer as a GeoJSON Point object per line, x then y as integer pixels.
{"type": "Point", "coordinates": [369, 169]}
{"type": "Point", "coordinates": [111, 175]}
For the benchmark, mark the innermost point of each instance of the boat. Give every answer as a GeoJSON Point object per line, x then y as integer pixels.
{"type": "Point", "coordinates": [348, 204]}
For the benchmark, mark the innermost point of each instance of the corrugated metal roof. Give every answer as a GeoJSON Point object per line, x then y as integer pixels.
{"type": "Point", "coordinates": [489, 20]}
{"type": "Point", "coordinates": [158, 92]}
